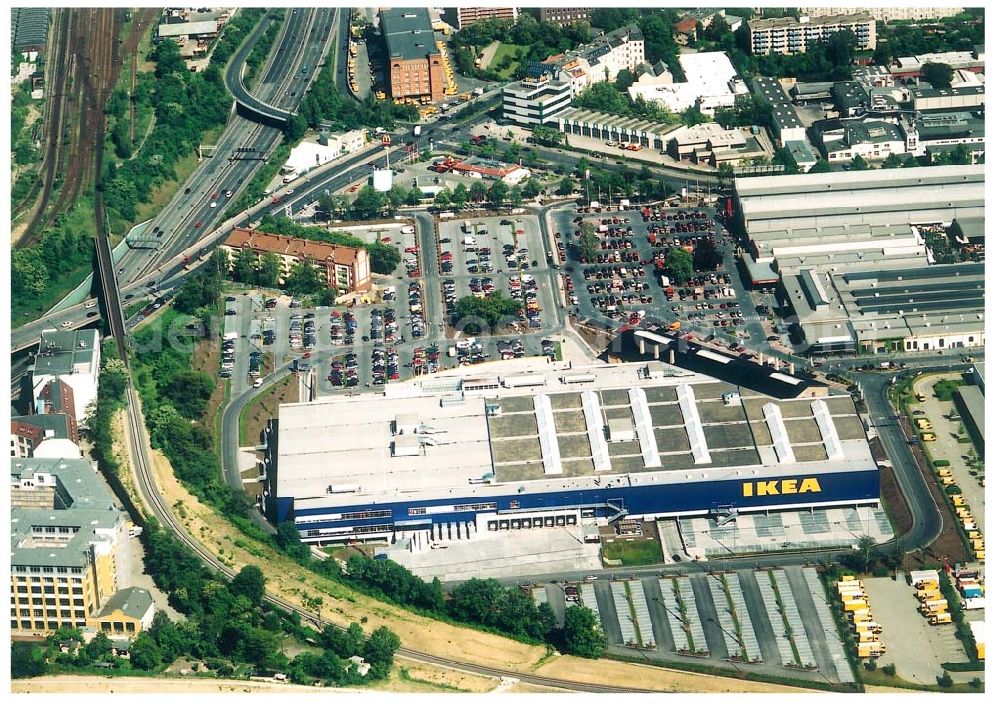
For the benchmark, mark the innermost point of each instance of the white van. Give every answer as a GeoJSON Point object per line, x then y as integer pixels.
{"type": "Point", "coordinates": [407, 230]}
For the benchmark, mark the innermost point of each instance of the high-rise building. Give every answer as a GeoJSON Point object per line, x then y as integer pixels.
{"type": "Point", "coordinates": [564, 16]}
{"type": "Point", "coordinates": [793, 35]}
{"type": "Point", "coordinates": [462, 17]}
{"type": "Point", "coordinates": [887, 14]}
{"type": "Point", "coordinates": [67, 542]}
{"type": "Point", "coordinates": [415, 64]}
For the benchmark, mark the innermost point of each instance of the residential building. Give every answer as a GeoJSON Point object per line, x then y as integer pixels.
{"type": "Point", "coordinates": [565, 16]}
{"type": "Point", "coordinates": [711, 82]}
{"type": "Point", "coordinates": [462, 17]}
{"type": "Point", "coordinates": [895, 13]}
{"type": "Point", "coordinates": [686, 31]}
{"type": "Point", "coordinates": [704, 16]}
{"type": "Point", "coordinates": [868, 139]}
{"type": "Point", "coordinates": [67, 543]}
{"type": "Point", "coordinates": [778, 211]}
{"type": "Point", "coordinates": [792, 35]}
{"type": "Point", "coordinates": [30, 433]}
{"type": "Point", "coordinates": [536, 101]}
{"type": "Point", "coordinates": [657, 74]}
{"type": "Point", "coordinates": [353, 468]}
{"type": "Point", "coordinates": [616, 128]}
{"type": "Point", "coordinates": [785, 121]}
{"type": "Point", "coordinates": [346, 269]}
{"type": "Point", "coordinates": [127, 613]}
{"type": "Point", "coordinates": [74, 359]}
{"type": "Point", "coordinates": [415, 64]}
{"type": "Point", "coordinates": [601, 59]}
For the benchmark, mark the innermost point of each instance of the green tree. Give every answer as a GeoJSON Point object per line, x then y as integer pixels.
{"type": "Point", "coordinates": [99, 648]}
{"type": "Point", "coordinates": [515, 196]}
{"type": "Point", "coordinates": [369, 203]}
{"type": "Point", "coordinates": [381, 647]}
{"type": "Point", "coordinates": [531, 188]}
{"type": "Point", "coordinates": [245, 266]}
{"type": "Point", "coordinates": [582, 633]}
{"type": "Point", "coordinates": [414, 197]}
{"type": "Point", "coordinates": [624, 79]}
{"type": "Point", "coordinates": [565, 186]}
{"type": "Point", "coordinates": [680, 265]}
{"type": "Point", "coordinates": [474, 315]}
{"type": "Point", "coordinates": [498, 193]}
{"type": "Point", "coordinates": [304, 278]}
{"type": "Point", "coordinates": [865, 553]}
{"type": "Point", "coordinates": [290, 541]}
{"type": "Point", "coordinates": [460, 196]}
{"type": "Point", "coordinates": [27, 660]}
{"type": "Point", "coordinates": [706, 258]}
{"type": "Point", "coordinates": [384, 258]}
{"type": "Point", "coordinates": [859, 164]}
{"type": "Point", "coordinates": [693, 116]}
{"type": "Point", "coordinates": [478, 191]}
{"type": "Point", "coordinates": [144, 653]}
{"type": "Point", "coordinates": [443, 198]}
{"type": "Point", "coordinates": [29, 275]}
{"type": "Point", "coordinates": [249, 582]}
{"type": "Point", "coordinates": [937, 74]}
{"type": "Point", "coordinates": [821, 167]}
{"type": "Point", "coordinates": [269, 270]}
{"type": "Point", "coordinates": [588, 242]}
{"type": "Point", "coordinates": [327, 297]}
{"type": "Point", "coordinates": [168, 637]}
{"type": "Point", "coordinates": [188, 391]}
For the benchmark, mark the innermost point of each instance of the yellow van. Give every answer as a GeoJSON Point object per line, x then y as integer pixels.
{"type": "Point", "coordinates": [928, 437]}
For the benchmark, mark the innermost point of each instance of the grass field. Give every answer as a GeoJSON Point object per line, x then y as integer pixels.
{"type": "Point", "coordinates": [634, 552]}
{"type": "Point", "coordinates": [515, 51]}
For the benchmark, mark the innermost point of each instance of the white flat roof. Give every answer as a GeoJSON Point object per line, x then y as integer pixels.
{"type": "Point", "coordinates": [185, 29]}
{"type": "Point", "coordinates": [343, 444]}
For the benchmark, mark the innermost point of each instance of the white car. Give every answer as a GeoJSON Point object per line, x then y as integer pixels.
{"type": "Point", "coordinates": [289, 192]}
{"type": "Point", "coordinates": [67, 324]}
{"type": "Point", "coordinates": [229, 194]}
{"type": "Point", "coordinates": [213, 204]}
{"type": "Point", "coordinates": [90, 304]}
{"type": "Point", "coordinates": [258, 382]}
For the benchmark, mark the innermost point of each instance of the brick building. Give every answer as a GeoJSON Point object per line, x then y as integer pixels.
{"type": "Point", "coordinates": [415, 64]}
{"type": "Point", "coordinates": [346, 269]}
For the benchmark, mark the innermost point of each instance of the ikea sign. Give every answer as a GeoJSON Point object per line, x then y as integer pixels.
{"type": "Point", "coordinates": [764, 488]}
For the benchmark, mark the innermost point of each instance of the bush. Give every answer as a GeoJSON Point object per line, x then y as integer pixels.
{"type": "Point", "coordinates": [942, 463]}
{"type": "Point", "coordinates": [870, 665]}
{"type": "Point", "coordinates": [889, 669]}
{"type": "Point", "coordinates": [880, 572]}
{"type": "Point", "coordinates": [945, 681]}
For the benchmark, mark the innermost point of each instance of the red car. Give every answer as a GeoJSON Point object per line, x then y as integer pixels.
{"type": "Point", "coordinates": [215, 194]}
{"type": "Point", "coordinates": [197, 224]}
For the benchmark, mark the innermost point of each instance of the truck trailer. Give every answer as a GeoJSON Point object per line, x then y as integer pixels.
{"type": "Point", "coordinates": [940, 618]}
{"type": "Point", "coordinates": [870, 649]}
{"type": "Point", "coordinates": [934, 607]}
{"type": "Point", "coordinates": [855, 605]}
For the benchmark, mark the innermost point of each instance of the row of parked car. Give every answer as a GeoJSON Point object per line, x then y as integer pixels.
{"type": "Point", "coordinates": [344, 373]}
{"type": "Point", "coordinates": [342, 328]}
{"type": "Point", "coordinates": [302, 331]}
{"type": "Point", "coordinates": [524, 288]}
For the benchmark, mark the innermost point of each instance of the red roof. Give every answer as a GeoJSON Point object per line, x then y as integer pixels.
{"type": "Point", "coordinates": [291, 246]}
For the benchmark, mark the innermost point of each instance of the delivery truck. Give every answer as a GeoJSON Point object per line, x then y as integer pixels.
{"type": "Point", "coordinates": [940, 618]}
{"type": "Point", "coordinates": [861, 616]}
{"type": "Point", "coordinates": [928, 594]}
{"type": "Point", "coordinates": [934, 607]}
{"type": "Point", "coordinates": [924, 584]}
{"type": "Point", "coordinates": [974, 603]}
{"type": "Point", "coordinates": [855, 605]}
{"type": "Point", "coordinates": [866, 637]}
{"type": "Point", "coordinates": [873, 627]}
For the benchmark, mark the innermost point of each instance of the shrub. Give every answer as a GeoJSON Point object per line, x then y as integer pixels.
{"type": "Point", "coordinates": [870, 665]}
{"type": "Point", "coordinates": [942, 463]}
{"type": "Point", "coordinates": [889, 669]}
{"type": "Point", "coordinates": [945, 681]}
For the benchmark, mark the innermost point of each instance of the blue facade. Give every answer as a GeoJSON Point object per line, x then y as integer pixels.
{"type": "Point", "coordinates": [844, 487]}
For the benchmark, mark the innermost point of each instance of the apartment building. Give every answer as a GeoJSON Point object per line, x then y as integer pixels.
{"type": "Point", "coordinates": [462, 17]}
{"type": "Point", "coordinates": [601, 59]}
{"type": "Point", "coordinates": [565, 16]}
{"type": "Point", "coordinates": [347, 269]}
{"type": "Point", "coordinates": [887, 14]}
{"type": "Point", "coordinates": [74, 359]}
{"type": "Point", "coordinates": [33, 435]}
{"type": "Point", "coordinates": [415, 64]}
{"type": "Point", "coordinates": [67, 541]}
{"type": "Point", "coordinates": [792, 35]}
{"type": "Point", "coordinates": [536, 101]}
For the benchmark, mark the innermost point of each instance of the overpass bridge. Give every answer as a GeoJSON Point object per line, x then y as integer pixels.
{"type": "Point", "coordinates": [247, 105]}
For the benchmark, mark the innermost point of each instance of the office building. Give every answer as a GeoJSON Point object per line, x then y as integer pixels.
{"type": "Point", "coordinates": [536, 101]}
{"type": "Point", "coordinates": [617, 128]}
{"type": "Point", "coordinates": [127, 613]}
{"type": "Point", "coordinates": [868, 139]}
{"type": "Point", "coordinates": [530, 444]}
{"type": "Point", "coordinates": [66, 372]}
{"type": "Point", "coordinates": [44, 435]}
{"type": "Point", "coordinates": [785, 122]}
{"type": "Point", "coordinates": [462, 17]}
{"type": "Point", "coordinates": [67, 541]}
{"type": "Point", "coordinates": [415, 64]}
{"type": "Point", "coordinates": [565, 16]}
{"type": "Point", "coordinates": [793, 35]}
{"type": "Point", "coordinates": [346, 269]}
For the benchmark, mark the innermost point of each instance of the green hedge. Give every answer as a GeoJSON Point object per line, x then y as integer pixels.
{"type": "Point", "coordinates": [942, 463]}
{"type": "Point", "coordinates": [961, 667]}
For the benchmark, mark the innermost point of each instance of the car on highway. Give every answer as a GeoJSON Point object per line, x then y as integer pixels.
{"type": "Point", "coordinates": [91, 314]}
{"type": "Point", "coordinates": [90, 304]}
{"type": "Point", "coordinates": [258, 382]}
{"type": "Point", "coordinates": [67, 324]}
{"type": "Point", "coordinates": [197, 224]}
{"type": "Point", "coordinates": [289, 192]}
{"type": "Point", "coordinates": [215, 194]}
{"type": "Point", "coordinates": [213, 204]}
{"type": "Point", "coordinates": [229, 194]}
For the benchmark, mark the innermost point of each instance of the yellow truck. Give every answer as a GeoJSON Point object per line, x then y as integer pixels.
{"type": "Point", "coordinates": [871, 649]}
{"type": "Point", "coordinates": [873, 627]}
{"type": "Point", "coordinates": [978, 545]}
{"type": "Point", "coordinates": [933, 607]}
{"type": "Point", "coordinates": [958, 500]}
{"type": "Point", "coordinates": [866, 637]}
{"type": "Point", "coordinates": [974, 535]}
{"type": "Point", "coordinates": [928, 437]}
{"type": "Point", "coordinates": [963, 513]}
{"type": "Point", "coordinates": [948, 481]}
{"type": "Point", "coordinates": [980, 555]}
{"type": "Point", "coordinates": [944, 472]}
{"type": "Point", "coordinates": [926, 584]}
{"type": "Point", "coordinates": [861, 616]}
{"type": "Point", "coordinates": [928, 594]}
{"type": "Point", "coordinates": [855, 605]}
{"type": "Point", "coordinates": [940, 618]}
{"type": "Point", "coordinates": [924, 424]}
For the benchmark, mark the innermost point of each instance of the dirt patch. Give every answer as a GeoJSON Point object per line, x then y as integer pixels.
{"type": "Point", "coordinates": [265, 407]}
{"type": "Point", "coordinates": [532, 688]}
{"type": "Point", "coordinates": [338, 604]}
{"type": "Point", "coordinates": [415, 677]}
{"type": "Point", "coordinates": [116, 684]}
{"type": "Point", "coordinates": [606, 672]}
{"type": "Point", "coordinates": [894, 503]}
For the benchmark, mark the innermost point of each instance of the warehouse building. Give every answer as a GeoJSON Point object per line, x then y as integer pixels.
{"type": "Point", "coordinates": [971, 406]}
{"type": "Point", "coordinates": [616, 128]}
{"type": "Point", "coordinates": [67, 541]}
{"type": "Point", "coordinates": [768, 210]}
{"type": "Point", "coordinates": [868, 139]}
{"type": "Point", "coordinates": [947, 130]}
{"type": "Point", "coordinates": [913, 66]}
{"type": "Point", "coordinates": [792, 35]}
{"type": "Point", "coordinates": [533, 444]}
{"type": "Point", "coordinates": [711, 82]}
{"type": "Point", "coordinates": [29, 29]}
{"type": "Point", "coordinates": [415, 64]}
{"type": "Point", "coordinates": [884, 310]}
{"type": "Point", "coordinates": [346, 269]}
{"type": "Point", "coordinates": [949, 99]}
{"type": "Point", "coordinates": [785, 122]}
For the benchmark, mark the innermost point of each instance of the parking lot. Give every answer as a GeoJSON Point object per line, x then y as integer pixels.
{"type": "Point", "coordinates": [767, 621]}
{"type": "Point", "coordinates": [627, 282]}
{"type": "Point", "coordinates": [916, 647]}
